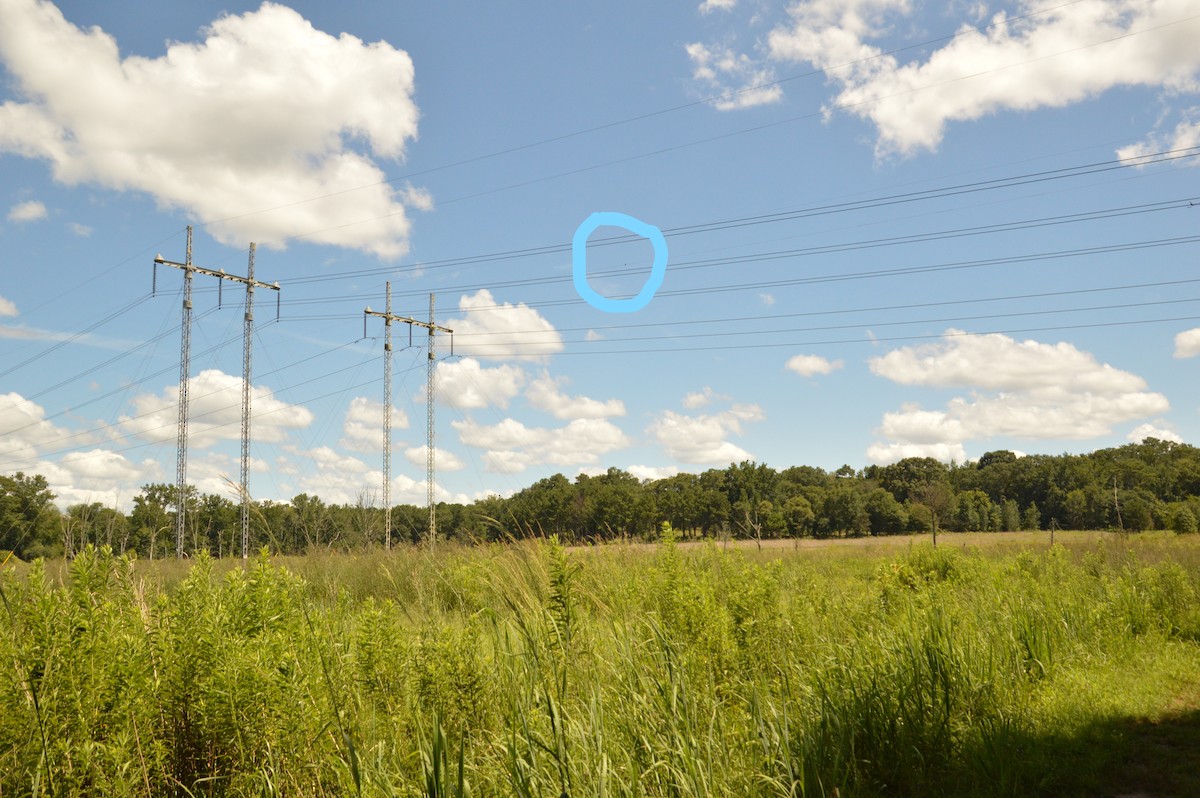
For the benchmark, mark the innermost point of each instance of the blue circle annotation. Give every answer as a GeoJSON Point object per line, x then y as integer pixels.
{"type": "Point", "coordinates": [579, 261]}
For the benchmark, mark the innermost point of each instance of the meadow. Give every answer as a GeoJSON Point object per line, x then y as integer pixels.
{"type": "Point", "coordinates": [994, 665]}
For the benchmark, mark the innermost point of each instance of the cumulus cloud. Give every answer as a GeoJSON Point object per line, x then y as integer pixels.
{"type": "Point", "coordinates": [697, 399]}
{"type": "Point", "coordinates": [886, 453]}
{"type": "Point", "coordinates": [1155, 430]}
{"type": "Point", "coordinates": [466, 384]}
{"type": "Point", "coordinates": [1185, 136]}
{"type": "Point", "coordinates": [344, 479]}
{"type": "Point", "coordinates": [444, 460]}
{"type": "Point", "coordinates": [652, 472]}
{"type": "Point", "coordinates": [7, 308]}
{"type": "Point", "coordinates": [266, 110]}
{"type": "Point", "coordinates": [24, 431]}
{"type": "Point", "coordinates": [98, 476]}
{"type": "Point", "coordinates": [702, 439]}
{"type": "Point", "coordinates": [215, 412]}
{"type": "Point", "coordinates": [30, 211]}
{"type": "Point", "coordinates": [1066, 54]}
{"type": "Point", "coordinates": [81, 230]}
{"type": "Point", "coordinates": [708, 6]}
{"type": "Point", "coordinates": [337, 478]}
{"type": "Point", "coordinates": [1024, 389]}
{"type": "Point", "coordinates": [510, 446]}
{"type": "Point", "coordinates": [738, 78]}
{"type": "Point", "coordinates": [502, 331]}
{"type": "Point", "coordinates": [1187, 343]}
{"type": "Point", "coordinates": [362, 431]}
{"type": "Point", "coordinates": [544, 394]}
{"type": "Point", "coordinates": [810, 365]}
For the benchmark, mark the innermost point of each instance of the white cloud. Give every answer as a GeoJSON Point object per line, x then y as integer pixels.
{"type": "Point", "coordinates": [98, 476]}
{"type": "Point", "coordinates": [1185, 136]}
{"type": "Point", "coordinates": [30, 211]}
{"type": "Point", "coordinates": [544, 394]}
{"type": "Point", "coordinates": [362, 431]}
{"type": "Point", "coordinates": [701, 439]}
{"type": "Point", "coordinates": [1040, 391]}
{"type": "Point", "coordinates": [1052, 59]}
{"type": "Point", "coordinates": [443, 460]}
{"type": "Point", "coordinates": [883, 454]}
{"type": "Point", "coordinates": [265, 111]}
{"type": "Point", "coordinates": [336, 478]}
{"type": "Point", "coordinates": [809, 365]}
{"type": "Point", "coordinates": [465, 384]}
{"type": "Point", "coordinates": [738, 78]}
{"type": "Point", "coordinates": [217, 473]}
{"type": "Point", "coordinates": [502, 331]}
{"type": "Point", "coordinates": [1187, 343]}
{"type": "Point", "coordinates": [708, 6]}
{"type": "Point", "coordinates": [997, 362]}
{"type": "Point", "coordinates": [767, 299]}
{"type": "Point", "coordinates": [510, 446]}
{"type": "Point", "coordinates": [81, 230]}
{"type": "Point", "coordinates": [7, 308]}
{"type": "Point", "coordinates": [215, 412]}
{"type": "Point", "coordinates": [698, 399]}
{"type": "Point", "coordinates": [652, 472]}
{"type": "Point", "coordinates": [1143, 431]}
{"type": "Point", "coordinates": [592, 335]}
{"type": "Point", "coordinates": [342, 479]}
{"type": "Point", "coordinates": [24, 431]}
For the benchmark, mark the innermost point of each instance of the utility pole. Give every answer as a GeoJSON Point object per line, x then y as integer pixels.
{"type": "Point", "coordinates": [181, 443]}
{"type": "Point", "coordinates": [1117, 504]}
{"type": "Point", "coordinates": [433, 328]}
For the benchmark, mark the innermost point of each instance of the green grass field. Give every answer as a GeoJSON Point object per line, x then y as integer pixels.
{"type": "Point", "coordinates": [995, 665]}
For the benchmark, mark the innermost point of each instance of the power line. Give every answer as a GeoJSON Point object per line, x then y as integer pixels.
{"type": "Point", "coordinates": [772, 218]}
{"type": "Point", "coordinates": [826, 278]}
{"type": "Point", "coordinates": [872, 340]}
{"type": "Point", "coordinates": [649, 115]}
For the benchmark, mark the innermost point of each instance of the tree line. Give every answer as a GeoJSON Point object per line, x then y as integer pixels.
{"type": "Point", "coordinates": [1150, 485]}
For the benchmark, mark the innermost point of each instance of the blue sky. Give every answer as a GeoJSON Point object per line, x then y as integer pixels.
{"type": "Point", "coordinates": [895, 229]}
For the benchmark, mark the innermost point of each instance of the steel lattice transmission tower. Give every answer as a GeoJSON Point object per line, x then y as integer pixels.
{"type": "Point", "coordinates": [185, 351]}
{"type": "Point", "coordinates": [247, 339]}
{"type": "Point", "coordinates": [388, 318]}
{"type": "Point", "coordinates": [181, 442]}
{"type": "Point", "coordinates": [430, 373]}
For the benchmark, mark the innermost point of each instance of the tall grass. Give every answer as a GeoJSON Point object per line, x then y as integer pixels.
{"type": "Point", "coordinates": [534, 670]}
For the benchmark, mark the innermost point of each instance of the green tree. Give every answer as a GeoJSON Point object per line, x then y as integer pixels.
{"type": "Point", "coordinates": [937, 497]}
{"type": "Point", "coordinates": [714, 509]}
{"type": "Point", "coordinates": [799, 516]}
{"type": "Point", "coordinates": [1031, 519]}
{"type": "Point", "coordinates": [677, 501]}
{"type": "Point", "coordinates": [28, 518]}
{"type": "Point", "coordinates": [547, 507]}
{"type": "Point", "coordinates": [842, 512]}
{"type": "Point", "coordinates": [973, 511]}
{"type": "Point", "coordinates": [218, 522]}
{"type": "Point", "coordinates": [308, 524]}
{"type": "Point", "coordinates": [1182, 519]}
{"type": "Point", "coordinates": [1010, 516]}
{"type": "Point", "coordinates": [614, 504]}
{"type": "Point", "coordinates": [1137, 510]}
{"type": "Point", "coordinates": [908, 477]}
{"type": "Point", "coordinates": [885, 515]}
{"type": "Point", "coordinates": [151, 522]}
{"type": "Point", "coordinates": [999, 457]}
